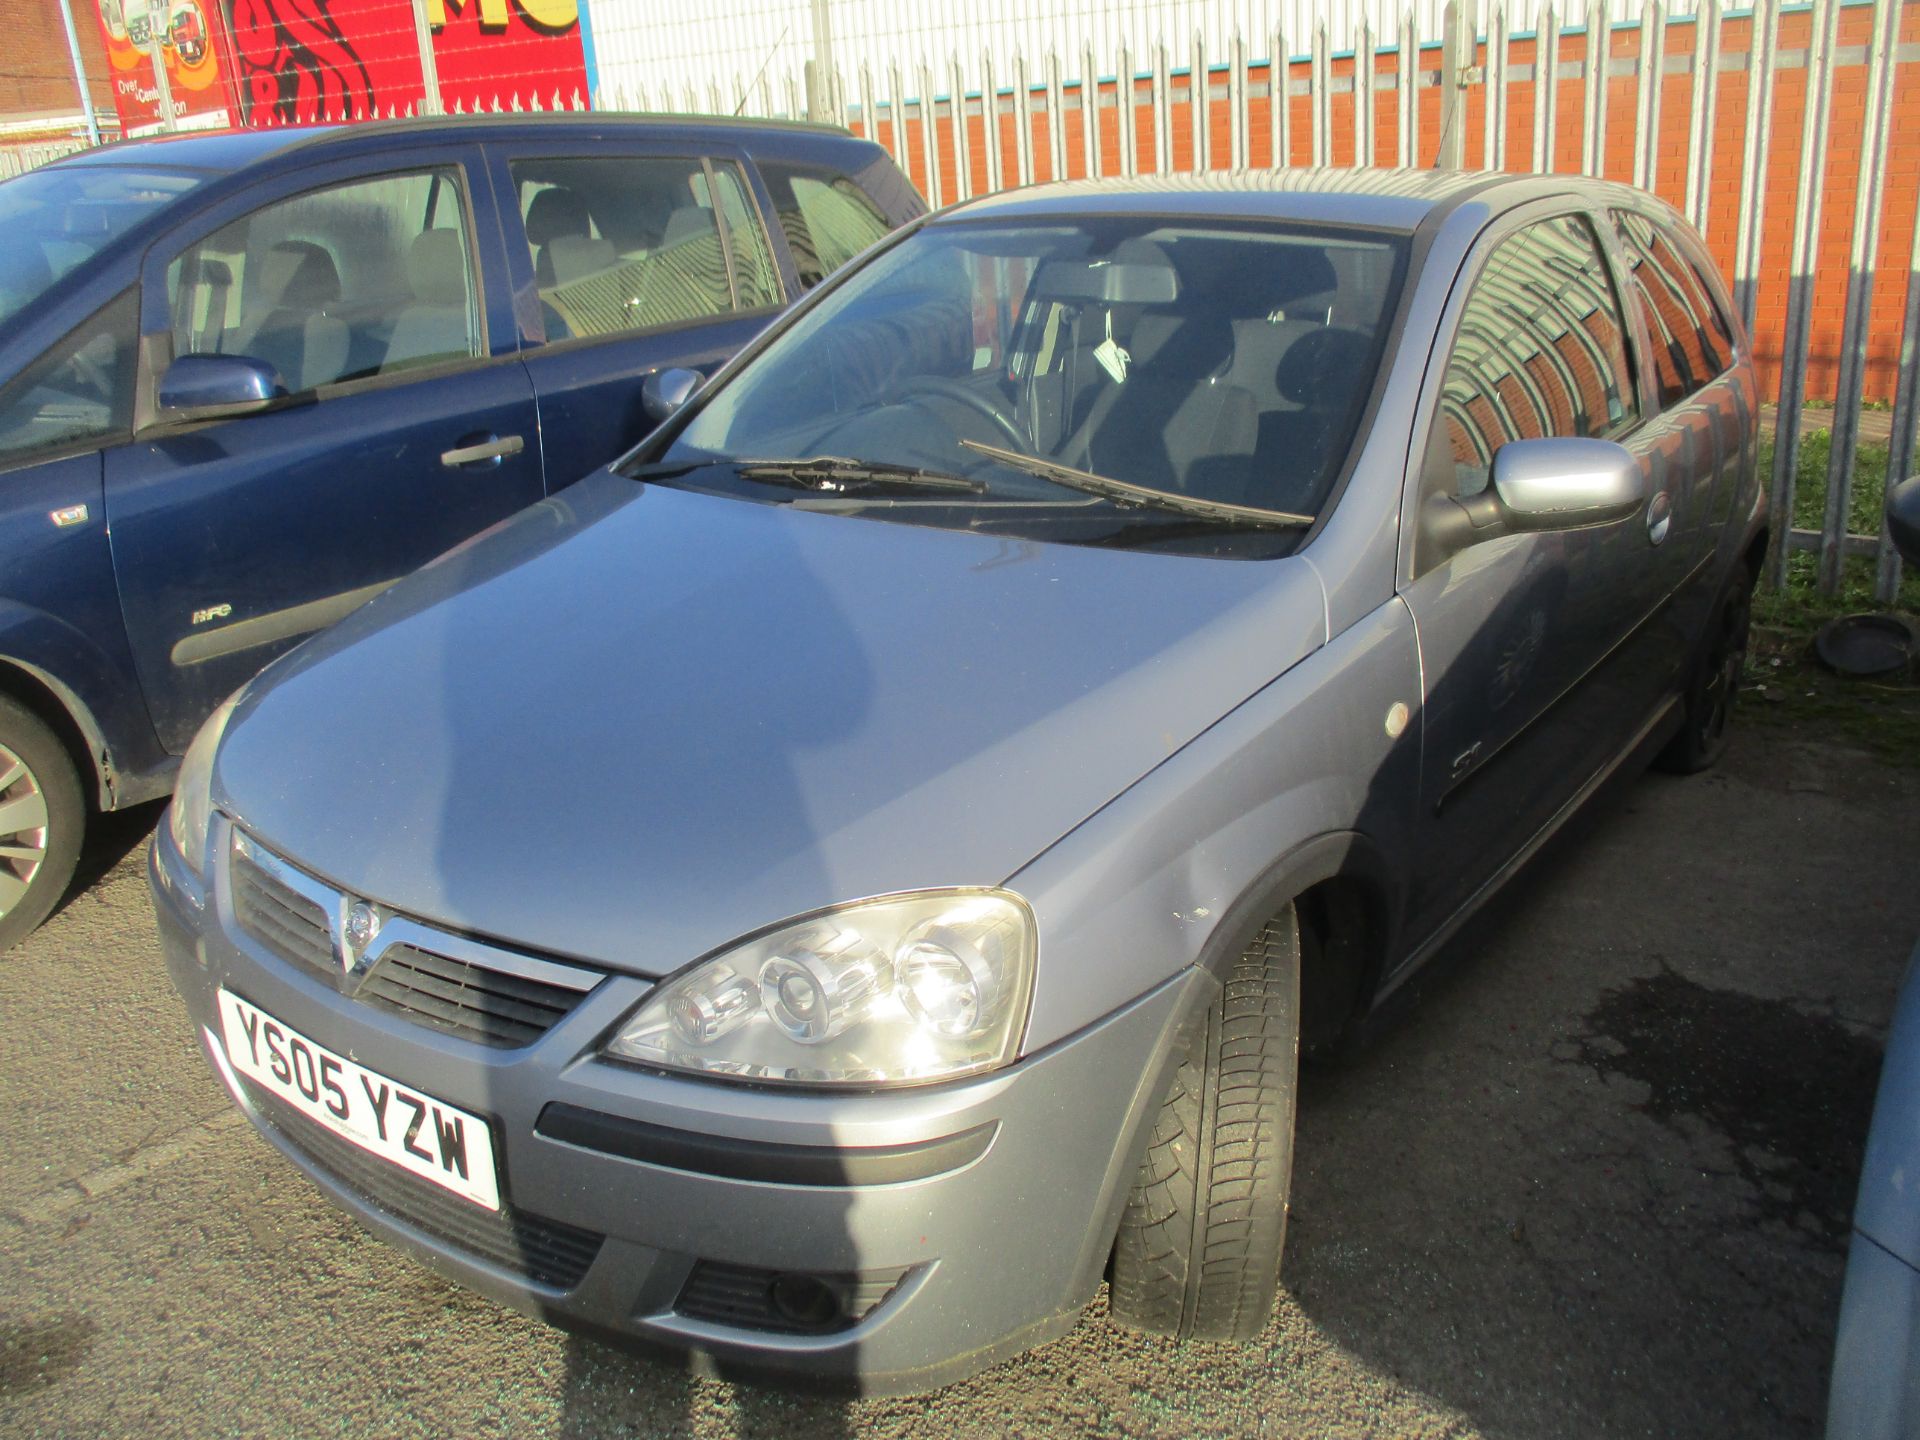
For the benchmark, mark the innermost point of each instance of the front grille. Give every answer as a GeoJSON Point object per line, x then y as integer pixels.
{"type": "Point", "coordinates": [280, 917]}
{"type": "Point", "coordinates": [750, 1298]}
{"type": "Point", "coordinates": [543, 1251]}
{"type": "Point", "coordinates": [489, 1006]}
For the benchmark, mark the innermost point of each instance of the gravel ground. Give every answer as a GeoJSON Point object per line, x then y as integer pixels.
{"type": "Point", "coordinates": [1591, 1178]}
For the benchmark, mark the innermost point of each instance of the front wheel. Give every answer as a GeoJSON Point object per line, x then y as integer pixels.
{"type": "Point", "coordinates": [42, 814]}
{"type": "Point", "coordinates": [1198, 1252]}
{"type": "Point", "coordinates": [1714, 686]}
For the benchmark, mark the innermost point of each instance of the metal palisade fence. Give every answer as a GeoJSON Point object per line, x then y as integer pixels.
{"type": "Point", "coordinates": [1789, 134]}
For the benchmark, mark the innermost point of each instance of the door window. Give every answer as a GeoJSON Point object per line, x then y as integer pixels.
{"type": "Point", "coordinates": [827, 218]}
{"type": "Point", "coordinates": [79, 392]}
{"type": "Point", "coordinates": [1540, 351]}
{"type": "Point", "coordinates": [624, 243]}
{"type": "Point", "coordinates": [1690, 338]}
{"type": "Point", "coordinates": [339, 284]}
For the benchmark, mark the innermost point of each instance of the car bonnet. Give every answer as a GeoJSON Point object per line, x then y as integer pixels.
{"type": "Point", "coordinates": [635, 723]}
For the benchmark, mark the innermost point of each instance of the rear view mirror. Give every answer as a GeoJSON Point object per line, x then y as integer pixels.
{"type": "Point", "coordinates": [214, 387]}
{"type": "Point", "coordinates": [1903, 519]}
{"type": "Point", "coordinates": [1561, 483]}
{"type": "Point", "coordinates": [665, 391]}
{"type": "Point", "coordinates": [1112, 282]}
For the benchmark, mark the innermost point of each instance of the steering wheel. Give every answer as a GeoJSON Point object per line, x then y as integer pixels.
{"type": "Point", "coordinates": [972, 399]}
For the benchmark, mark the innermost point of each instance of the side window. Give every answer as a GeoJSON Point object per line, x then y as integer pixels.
{"type": "Point", "coordinates": [80, 390]}
{"type": "Point", "coordinates": [1690, 339]}
{"type": "Point", "coordinates": [1540, 351]}
{"type": "Point", "coordinates": [622, 243]}
{"type": "Point", "coordinates": [339, 284]}
{"type": "Point", "coordinates": [753, 275]}
{"type": "Point", "coordinates": [826, 217]}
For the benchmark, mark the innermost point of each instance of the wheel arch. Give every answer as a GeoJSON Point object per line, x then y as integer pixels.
{"type": "Point", "coordinates": [62, 712]}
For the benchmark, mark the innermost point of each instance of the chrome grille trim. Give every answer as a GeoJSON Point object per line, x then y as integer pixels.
{"type": "Point", "coordinates": [456, 984]}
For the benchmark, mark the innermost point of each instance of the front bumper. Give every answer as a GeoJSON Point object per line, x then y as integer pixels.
{"type": "Point", "coordinates": [962, 1223]}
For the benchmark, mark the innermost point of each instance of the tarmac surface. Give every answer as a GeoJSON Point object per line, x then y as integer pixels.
{"type": "Point", "coordinates": [1591, 1178]}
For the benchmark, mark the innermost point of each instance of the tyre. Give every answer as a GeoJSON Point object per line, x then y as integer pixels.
{"type": "Point", "coordinates": [1714, 687]}
{"type": "Point", "coordinates": [42, 815]}
{"type": "Point", "coordinates": [1198, 1251]}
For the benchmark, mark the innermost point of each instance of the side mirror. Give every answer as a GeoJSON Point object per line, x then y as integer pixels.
{"type": "Point", "coordinates": [1903, 519]}
{"type": "Point", "coordinates": [665, 391]}
{"type": "Point", "coordinates": [214, 387]}
{"type": "Point", "coordinates": [1559, 483]}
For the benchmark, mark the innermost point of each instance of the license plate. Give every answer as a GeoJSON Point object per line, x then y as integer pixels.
{"type": "Point", "coordinates": [428, 1137]}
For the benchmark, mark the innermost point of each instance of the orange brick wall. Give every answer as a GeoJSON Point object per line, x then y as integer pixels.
{"type": "Point", "coordinates": [1845, 140]}
{"type": "Point", "coordinates": [36, 77]}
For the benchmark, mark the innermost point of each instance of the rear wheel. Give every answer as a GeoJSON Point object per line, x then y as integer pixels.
{"type": "Point", "coordinates": [42, 814]}
{"type": "Point", "coordinates": [1198, 1252]}
{"type": "Point", "coordinates": [1715, 684]}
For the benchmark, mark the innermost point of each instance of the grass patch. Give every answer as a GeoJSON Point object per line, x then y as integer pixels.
{"type": "Point", "coordinates": [1786, 686]}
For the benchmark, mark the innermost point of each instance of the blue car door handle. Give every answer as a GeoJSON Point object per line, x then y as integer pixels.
{"type": "Point", "coordinates": [479, 448]}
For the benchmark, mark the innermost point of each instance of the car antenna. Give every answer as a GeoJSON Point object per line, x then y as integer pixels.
{"type": "Point", "coordinates": [748, 88]}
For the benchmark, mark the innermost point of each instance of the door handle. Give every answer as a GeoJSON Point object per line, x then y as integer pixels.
{"type": "Point", "coordinates": [1659, 516]}
{"type": "Point", "coordinates": [490, 448]}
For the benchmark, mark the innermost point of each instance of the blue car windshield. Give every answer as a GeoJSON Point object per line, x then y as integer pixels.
{"type": "Point", "coordinates": [55, 219]}
{"type": "Point", "coordinates": [1137, 380]}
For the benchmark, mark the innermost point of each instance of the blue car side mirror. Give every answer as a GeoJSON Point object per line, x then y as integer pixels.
{"type": "Point", "coordinates": [665, 391]}
{"type": "Point", "coordinates": [214, 387]}
{"type": "Point", "coordinates": [1903, 519]}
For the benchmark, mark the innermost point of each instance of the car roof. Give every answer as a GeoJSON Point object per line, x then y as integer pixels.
{"type": "Point", "coordinates": [1382, 199]}
{"type": "Point", "coordinates": [227, 151]}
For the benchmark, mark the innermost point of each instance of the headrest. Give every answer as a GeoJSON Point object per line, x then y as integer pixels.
{"type": "Point", "coordinates": [576, 255]}
{"type": "Point", "coordinates": [1322, 361]}
{"type": "Point", "coordinates": [1191, 346]}
{"type": "Point", "coordinates": [686, 223]}
{"type": "Point", "coordinates": [554, 213]}
{"type": "Point", "coordinates": [437, 268]}
{"type": "Point", "coordinates": [299, 274]}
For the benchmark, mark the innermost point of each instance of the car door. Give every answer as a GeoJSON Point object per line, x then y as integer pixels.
{"type": "Point", "coordinates": [411, 424]}
{"type": "Point", "coordinates": [629, 257]}
{"type": "Point", "coordinates": [1535, 653]}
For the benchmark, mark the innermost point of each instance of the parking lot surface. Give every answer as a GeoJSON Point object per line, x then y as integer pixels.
{"type": "Point", "coordinates": [1592, 1179]}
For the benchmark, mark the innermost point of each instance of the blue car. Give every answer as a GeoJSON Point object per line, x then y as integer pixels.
{"type": "Point", "coordinates": [249, 380]}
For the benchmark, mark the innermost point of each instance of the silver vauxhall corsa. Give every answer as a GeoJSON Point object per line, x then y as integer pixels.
{"type": "Point", "coordinates": [822, 894]}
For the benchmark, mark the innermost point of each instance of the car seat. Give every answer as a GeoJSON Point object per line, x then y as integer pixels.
{"type": "Point", "coordinates": [290, 328]}
{"type": "Point", "coordinates": [555, 214]}
{"type": "Point", "coordinates": [435, 325]}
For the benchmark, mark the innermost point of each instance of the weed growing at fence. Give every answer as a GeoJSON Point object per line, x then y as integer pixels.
{"type": "Point", "coordinates": [1785, 684]}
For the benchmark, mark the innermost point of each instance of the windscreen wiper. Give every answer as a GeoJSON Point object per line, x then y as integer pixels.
{"type": "Point", "coordinates": [840, 475]}
{"type": "Point", "coordinates": [1125, 492]}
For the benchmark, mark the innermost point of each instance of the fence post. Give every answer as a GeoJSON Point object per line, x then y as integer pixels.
{"type": "Point", "coordinates": [1867, 203]}
{"type": "Point", "coordinates": [819, 67]}
{"type": "Point", "coordinates": [1599, 60]}
{"type": "Point", "coordinates": [1320, 95]}
{"type": "Point", "coordinates": [1197, 87]}
{"type": "Point", "coordinates": [80, 73]}
{"type": "Point", "coordinates": [1363, 97]}
{"type": "Point", "coordinates": [1763, 37]}
{"type": "Point", "coordinates": [1022, 121]}
{"type": "Point", "coordinates": [1653, 60]}
{"type": "Point", "coordinates": [1409, 81]}
{"type": "Point", "coordinates": [897, 98]}
{"type": "Point", "coordinates": [962, 149]}
{"type": "Point", "coordinates": [1090, 114]}
{"type": "Point", "coordinates": [1546, 89]}
{"type": "Point", "coordinates": [158, 16]}
{"type": "Point", "coordinates": [1706, 104]}
{"type": "Point", "coordinates": [1806, 252]}
{"type": "Point", "coordinates": [1162, 110]}
{"type": "Point", "coordinates": [1280, 101]}
{"type": "Point", "coordinates": [1237, 101]}
{"type": "Point", "coordinates": [990, 124]}
{"type": "Point", "coordinates": [1457, 44]}
{"type": "Point", "coordinates": [1886, 580]}
{"type": "Point", "coordinates": [1124, 105]}
{"type": "Point", "coordinates": [1056, 119]}
{"type": "Point", "coordinates": [930, 133]}
{"type": "Point", "coordinates": [1493, 148]}
{"type": "Point", "coordinates": [869, 117]}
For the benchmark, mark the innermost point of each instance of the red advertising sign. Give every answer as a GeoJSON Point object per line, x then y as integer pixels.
{"type": "Point", "coordinates": [508, 54]}
{"type": "Point", "coordinates": [192, 44]}
{"type": "Point", "coordinates": [300, 62]}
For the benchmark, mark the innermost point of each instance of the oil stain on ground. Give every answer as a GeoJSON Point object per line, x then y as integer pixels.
{"type": "Point", "coordinates": [1791, 1091]}
{"type": "Point", "coordinates": [37, 1353]}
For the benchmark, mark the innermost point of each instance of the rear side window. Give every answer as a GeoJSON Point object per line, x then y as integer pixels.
{"type": "Point", "coordinates": [1540, 351]}
{"type": "Point", "coordinates": [827, 218]}
{"type": "Point", "coordinates": [625, 243]}
{"type": "Point", "coordinates": [339, 284]}
{"type": "Point", "coordinates": [1690, 339]}
{"type": "Point", "coordinates": [80, 391]}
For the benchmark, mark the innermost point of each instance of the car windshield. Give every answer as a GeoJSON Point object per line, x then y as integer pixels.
{"type": "Point", "coordinates": [55, 219]}
{"type": "Point", "coordinates": [1179, 384]}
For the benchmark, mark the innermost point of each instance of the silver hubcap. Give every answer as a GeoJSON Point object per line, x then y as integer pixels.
{"type": "Point", "coordinates": [23, 828]}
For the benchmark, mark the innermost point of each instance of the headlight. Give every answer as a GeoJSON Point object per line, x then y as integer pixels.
{"type": "Point", "coordinates": [897, 991]}
{"type": "Point", "coordinates": [192, 807]}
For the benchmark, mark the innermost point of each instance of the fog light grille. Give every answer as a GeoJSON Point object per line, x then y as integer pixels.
{"type": "Point", "coordinates": [781, 1301]}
